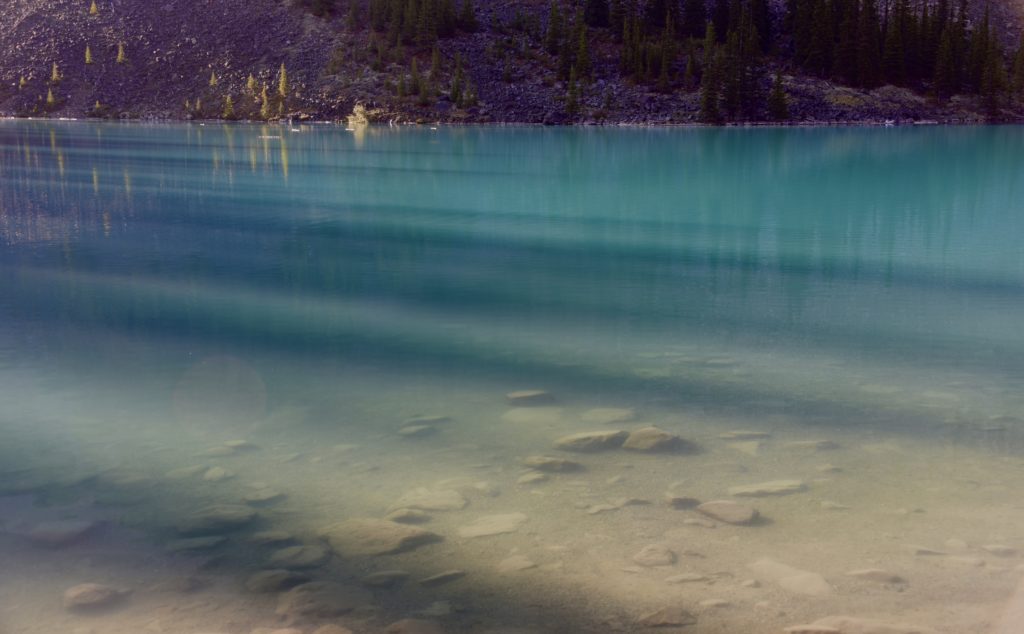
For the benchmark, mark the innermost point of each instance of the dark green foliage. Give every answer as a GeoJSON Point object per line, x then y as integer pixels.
{"type": "Point", "coordinates": [1017, 77]}
{"type": "Point", "coordinates": [553, 35]}
{"type": "Point", "coordinates": [595, 13]}
{"type": "Point", "coordinates": [778, 103]}
{"type": "Point", "coordinates": [694, 18]}
{"type": "Point", "coordinates": [467, 17]}
{"type": "Point", "coordinates": [458, 83]}
{"type": "Point", "coordinates": [710, 88]}
{"type": "Point", "coordinates": [583, 65]}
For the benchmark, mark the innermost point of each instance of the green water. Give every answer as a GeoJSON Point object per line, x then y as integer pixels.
{"type": "Point", "coordinates": [167, 288]}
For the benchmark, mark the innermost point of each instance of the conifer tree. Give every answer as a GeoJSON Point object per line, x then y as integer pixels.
{"type": "Point", "coordinates": [595, 13]}
{"type": "Point", "coordinates": [93, 9]}
{"type": "Point", "coordinates": [415, 81]}
{"type": "Point", "coordinates": [583, 65]}
{"type": "Point", "coordinates": [778, 103]}
{"type": "Point", "coordinates": [22, 82]}
{"type": "Point", "coordinates": [353, 20]}
{"type": "Point", "coordinates": [55, 75]}
{"type": "Point", "coordinates": [264, 103]}
{"type": "Point", "coordinates": [868, 49]}
{"type": "Point", "coordinates": [121, 58]}
{"type": "Point", "coordinates": [250, 84]}
{"type": "Point", "coordinates": [400, 89]}
{"type": "Point", "coordinates": [435, 66]}
{"type": "Point", "coordinates": [1018, 71]}
{"type": "Point", "coordinates": [694, 18]}
{"type": "Point", "coordinates": [467, 17]}
{"type": "Point", "coordinates": [51, 101]}
{"type": "Point", "coordinates": [458, 82]}
{"type": "Point", "coordinates": [88, 54]}
{"type": "Point", "coordinates": [282, 83]}
{"type": "Point", "coordinates": [690, 74]}
{"type": "Point", "coordinates": [945, 82]}
{"type": "Point", "coordinates": [894, 62]}
{"type": "Point", "coordinates": [709, 87]}
{"type": "Point", "coordinates": [447, 21]}
{"type": "Point", "coordinates": [553, 36]}
{"type": "Point", "coordinates": [213, 79]}
{"type": "Point", "coordinates": [617, 18]}
{"type": "Point", "coordinates": [229, 108]}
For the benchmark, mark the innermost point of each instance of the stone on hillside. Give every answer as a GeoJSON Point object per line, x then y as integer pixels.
{"type": "Point", "coordinates": [321, 600]}
{"type": "Point", "coordinates": [216, 519]}
{"type": "Point", "coordinates": [533, 415]}
{"type": "Point", "coordinates": [371, 536]}
{"type": "Point", "coordinates": [670, 616]}
{"type": "Point", "coordinates": [652, 439]}
{"type": "Point", "coordinates": [494, 525]}
{"type": "Point", "coordinates": [855, 625]}
{"type": "Point", "coordinates": [551, 464]}
{"type": "Point", "coordinates": [385, 578]}
{"type": "Point", "coordinates": [876, 574]}
{"type": "Point", "coordinates": [790, 578]}
{"type": "Point", "coordinates": [424, 499]}
{"type": "Point", "coordinates": [530, 397]}
{"type": "Point", "coordinates": [592, 441]}
{"type": "Point", "coordinates": [60, 532]}
{"type": "Point", "coordinates": [278, 580]}
{"type": "Point", "coordinates": [88, 596]}
{"type": "Point", "coordinates": [728, 511]}
{"type": "Point", "coordinates": [774, 487]}
{"type": "Point", "coordinates": [298, 557]}
{"type": "Point", "coordinates": [654, 555]}
{"type": "Point", "coordinates": [608, 415]}
{"type": "Point", "coordinates": [688, 577]}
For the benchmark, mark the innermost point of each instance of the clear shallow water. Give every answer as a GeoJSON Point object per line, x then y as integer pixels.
{"type": "Point", "coordinates": [164, 289]}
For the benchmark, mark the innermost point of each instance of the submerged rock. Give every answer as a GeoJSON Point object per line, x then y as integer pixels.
{"type": "Point", "coordinates": [300, 557]}
{"type": "Point", "coordinates": [552, 464]}
{"type": "Point", "coordinates": [876, 574]}
{"type": "Point", "coordinates": [89, 596]}
{"type": "Point", "coordinates": [262, 497]}
{"type": "Point", "coordinates": [532, 477]}
{"type": "Point", "coordinates": [442, 578]}
{"type": "Point", "coordinates": [654, 555]}
{"type": "Point", "coordinates": [385, 578]}
{"type": "Point", "coordinates": [216, 519]}
{"type": "Point", "coordinates": [592, 441]}
{"type": "Point", "coordinates": [654, 440]}
{"type": "Point", "coordinates": [279, 580]}
{"type": "Point", "coordinates": [494, 525]}
{"type": "Point", "coordinates": [321, 599]}
{"type": "Point", "coordinates": [416, 431]}
{"type": "Point", "coordinates": [774, 487]}
{"type": "Point", "coordinates": [729, 512]}
{"type": "Point", "coordinates": [266, 538]}
{"type": "Point", "coordinates": [744, 434]}
{"type": "Point", "coordinates": [371, 536]}
{"type": "Point", "coordinates": [408, 516]}
{"type": "Point", "coordinates": [530, 397]}
{"type": "Point", "coordinates": [670, 616]}
{"type": "Point", "coordinates": [414, 626]}
{"type": "Point", "coordinates": [425, 499]}
{"type": "Point", "coordinates": [854, 625]}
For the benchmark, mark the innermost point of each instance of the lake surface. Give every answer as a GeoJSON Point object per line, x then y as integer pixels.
{"type": "Point", "coordinates": [324, 325]}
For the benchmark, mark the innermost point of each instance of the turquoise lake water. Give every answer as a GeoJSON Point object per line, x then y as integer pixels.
{"type": "Point", "coordinates": [166, 289]}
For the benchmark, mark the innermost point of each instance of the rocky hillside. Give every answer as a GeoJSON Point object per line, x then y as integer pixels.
{"type": "Point", "coordinates": [174, 59]}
